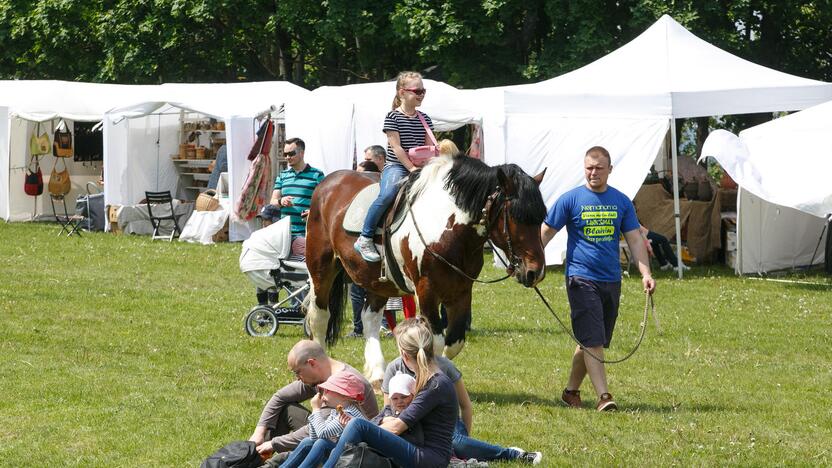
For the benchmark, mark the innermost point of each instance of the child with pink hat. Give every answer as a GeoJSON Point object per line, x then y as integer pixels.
{"type": "Point", "coordinates": [339, 394]}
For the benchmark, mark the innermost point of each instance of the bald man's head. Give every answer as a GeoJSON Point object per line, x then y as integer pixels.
{"type": "Point", "coordinates": [309, 362]}
{"type": "Point", "coordinates": [306, 349]}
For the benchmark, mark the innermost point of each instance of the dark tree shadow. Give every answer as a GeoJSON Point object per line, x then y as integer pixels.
{"type": "Point", "coordinates": [509, 398]}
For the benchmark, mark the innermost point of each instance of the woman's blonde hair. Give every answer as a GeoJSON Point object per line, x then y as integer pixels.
{"type": "Point", "coordinates": [416, 341]}
{"type": "Point", "coordinates": [405, 75]}
{"type": "Point", "coordinates": [448, 148]}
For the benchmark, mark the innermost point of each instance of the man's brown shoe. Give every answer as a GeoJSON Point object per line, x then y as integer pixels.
{"type": "Point", "coordinates": [572, 398]}
{"type": "Point", "coordinates": [606, 403]}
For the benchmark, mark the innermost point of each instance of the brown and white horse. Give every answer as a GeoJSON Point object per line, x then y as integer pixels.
{"type": "Point", "coordinates": [457, 203]}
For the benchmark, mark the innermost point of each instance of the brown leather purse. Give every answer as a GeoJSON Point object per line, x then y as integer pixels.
{"type": "Point", "coordinates": [59, 182]}
{"type": "Point", "coordinates": [62, 142]}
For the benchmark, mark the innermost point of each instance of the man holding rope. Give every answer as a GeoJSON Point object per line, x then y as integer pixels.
{"type": "Point", "coordinates": [595, 216]}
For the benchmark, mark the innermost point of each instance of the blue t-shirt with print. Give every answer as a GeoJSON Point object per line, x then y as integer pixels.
{"type": "Point", "coordinates": [594, 223]}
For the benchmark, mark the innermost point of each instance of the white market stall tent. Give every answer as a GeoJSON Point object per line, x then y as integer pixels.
{"type": "Point", "coordinates": [339, 122]}
{"type": "Point", "coordinates": [784, 200]}
{"type": "Point", "coordinates": [140, 138]}
{"type": "Point", "coordinates": [628, 99]}
{"type": "Point", "coordinates": [26, 106]}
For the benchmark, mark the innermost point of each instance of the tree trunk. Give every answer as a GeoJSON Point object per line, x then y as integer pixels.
{"type": "Point", "coordinates": [284, 51]}
{"type": "Point", "coordinates": [702, 131]}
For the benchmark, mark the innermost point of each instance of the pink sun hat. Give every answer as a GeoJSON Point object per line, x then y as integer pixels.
{"type": "Point", "coordinates": [345, 383]}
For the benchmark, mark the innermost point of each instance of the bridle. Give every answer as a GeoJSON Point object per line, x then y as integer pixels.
{"type": "Point", "coordinates": [502, 202]}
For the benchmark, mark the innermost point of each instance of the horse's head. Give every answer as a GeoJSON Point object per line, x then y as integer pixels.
{"type": "Point", "coordinates": [513, 216]}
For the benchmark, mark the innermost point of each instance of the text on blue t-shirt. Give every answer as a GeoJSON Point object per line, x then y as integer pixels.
{"type": "Point", "coordinates": [594, 223]}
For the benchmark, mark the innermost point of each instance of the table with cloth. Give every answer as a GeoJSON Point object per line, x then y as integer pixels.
{"type": "Point", "coordinates": [700, 220]}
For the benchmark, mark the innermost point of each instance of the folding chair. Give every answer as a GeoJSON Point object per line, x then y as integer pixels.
{"type": "Point", "coordinates": [70, 224]}
{"type": "Point", "coordinates": [161, 198]}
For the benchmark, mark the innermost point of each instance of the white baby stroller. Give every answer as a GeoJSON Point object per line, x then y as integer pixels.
{"type": "Point", "coordinates": [267, 262]}
{"type": "Point", "coordinates": [292, 282]}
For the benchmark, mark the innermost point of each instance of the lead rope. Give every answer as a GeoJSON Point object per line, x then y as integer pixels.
{"type": "Point", "coordinates": [648, 306]}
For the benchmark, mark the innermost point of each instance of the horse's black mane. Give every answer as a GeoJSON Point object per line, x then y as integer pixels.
{"type": "Point", "coordinates": [470, 181]}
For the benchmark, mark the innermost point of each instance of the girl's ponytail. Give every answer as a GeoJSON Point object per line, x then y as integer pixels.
{"type": "Point", "coordinates": [415, 340]}
{"type": "Point", "coordinates": [424, 370]}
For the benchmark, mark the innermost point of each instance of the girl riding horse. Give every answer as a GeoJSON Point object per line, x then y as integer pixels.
{"type": "Point", "coordinates": [454, 204]}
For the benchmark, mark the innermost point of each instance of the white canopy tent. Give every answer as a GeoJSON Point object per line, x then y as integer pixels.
{"type": "Point", "coordinates": [784, 202]}
{"type": "Point", "coordinates": [337, 122]}
{"type": "Point", "coordinates": [25, 103]}
{"type": "Point", "coordinates": [139, 138]}
{"type": "Point", "coordinates": [663, 74]}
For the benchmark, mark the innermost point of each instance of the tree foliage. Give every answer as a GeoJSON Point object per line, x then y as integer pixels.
{"type": "Point", "coordinates": [468, 43]}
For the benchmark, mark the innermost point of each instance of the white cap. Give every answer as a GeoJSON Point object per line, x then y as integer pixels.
{"type": "Point", "coordinates": [402, 384]}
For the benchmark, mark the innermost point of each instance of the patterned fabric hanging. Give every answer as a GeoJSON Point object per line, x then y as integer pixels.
{"type": "Point", "coordinates": [257, 187]}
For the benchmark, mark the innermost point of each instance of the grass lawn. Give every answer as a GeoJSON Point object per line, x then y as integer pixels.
{"type": "Point", "coordinates": [115, 351]}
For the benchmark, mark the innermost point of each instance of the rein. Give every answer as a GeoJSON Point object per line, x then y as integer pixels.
{"type": "Point", "coordinates": [485, 211]}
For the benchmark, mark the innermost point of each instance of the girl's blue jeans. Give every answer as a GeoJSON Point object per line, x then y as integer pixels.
{"type": "Point", "coordinates": [390, 177]}
{"type": "Point", "coordinates": [309, 453]}
{"type": "Point", "coordinates": [402, 452]}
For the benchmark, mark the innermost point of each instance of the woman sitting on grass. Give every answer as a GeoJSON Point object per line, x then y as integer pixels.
{"type": "Point", "coordinates": [434, 407]}
{"type": "Point", "coordinates": [465, 447]}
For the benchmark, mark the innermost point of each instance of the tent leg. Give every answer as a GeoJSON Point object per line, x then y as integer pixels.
{"type": "Point", "coordinates": [676, 210]}
{"type": "Point", "coordinates": [738, 267]}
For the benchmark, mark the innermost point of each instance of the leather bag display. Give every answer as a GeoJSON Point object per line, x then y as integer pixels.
{"type": "Point", "coordinates": [59, 183]}
{"type": "Point", "coordinates": [62, 141]}
{"type": "Point", "coordinates": [34, 178]}
{"type": "Point", "coordinates": [39, 142]}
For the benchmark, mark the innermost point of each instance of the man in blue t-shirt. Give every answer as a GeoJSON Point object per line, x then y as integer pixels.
{"type": "Point", "coordinates": [595, 216]}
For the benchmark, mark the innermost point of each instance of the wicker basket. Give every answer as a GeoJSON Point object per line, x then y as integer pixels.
{"type": "Point", "coordinates": [207, 201]}
{"type": "Point", "coordinates": [200, 152]}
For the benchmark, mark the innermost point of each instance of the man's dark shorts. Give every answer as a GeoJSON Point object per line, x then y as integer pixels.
{"type": "Point", "coordinates": [594, 307]}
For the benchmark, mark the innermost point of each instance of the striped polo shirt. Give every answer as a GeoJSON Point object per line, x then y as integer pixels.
{"type": "Point", "coordinates": [299, 185]}
{"type": "Point", "coordinates": [411, 131]}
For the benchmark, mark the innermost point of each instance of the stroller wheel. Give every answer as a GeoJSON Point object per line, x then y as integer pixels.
{"type": "Point", "coordinates": [261, 321]}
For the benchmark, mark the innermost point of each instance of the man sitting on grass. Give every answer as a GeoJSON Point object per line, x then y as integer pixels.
{"type": "Point", "coordinates": [283, 422]}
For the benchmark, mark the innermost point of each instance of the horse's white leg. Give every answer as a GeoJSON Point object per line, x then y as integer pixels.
{"type": "Point", "coordinates": [438, 343]}
{"type": "Point", "coordinates": [373, 357]}
{"type": "Point", "coordinates": [317, 319]}
{"type": "Point", "coordinates": [454, 349]}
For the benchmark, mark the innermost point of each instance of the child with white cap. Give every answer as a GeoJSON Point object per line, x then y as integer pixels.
{"type": "Point", "coordinates": [340, 394]}
{"type": "Point", "coordinates": [402, 387]}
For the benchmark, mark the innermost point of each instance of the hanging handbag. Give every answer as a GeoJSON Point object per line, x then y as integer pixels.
{"type": "Point", "coordinates": [39, 144]}
{"type": "Point", "coordinates": [59, 183]}
{"type": "Point", "coordinates": [34, 179]}
{"type": "Point", "coordinates": [62, 142]}
{"type": "Point", "coordinates": [421, 155]}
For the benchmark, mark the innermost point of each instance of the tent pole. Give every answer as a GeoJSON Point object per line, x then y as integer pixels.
{"type": "Point", "coordinates": [676, 211]}
{"type": "Point", "coordinates": [738, 267]}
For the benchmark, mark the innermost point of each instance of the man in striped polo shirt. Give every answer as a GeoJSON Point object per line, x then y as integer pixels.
{"type": "Point", "coordinates": [294, 186]}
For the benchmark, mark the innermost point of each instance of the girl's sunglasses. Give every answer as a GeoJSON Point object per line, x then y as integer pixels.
{"type": "Point", "coordinates": [416, 91]}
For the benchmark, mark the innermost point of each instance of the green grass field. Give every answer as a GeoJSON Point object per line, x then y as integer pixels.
{"type": "Point", "coordinates": [115, 351]}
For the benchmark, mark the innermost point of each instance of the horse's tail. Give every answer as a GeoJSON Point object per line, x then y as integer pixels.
{"type": "Point", "coordinates": [337, 303]}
